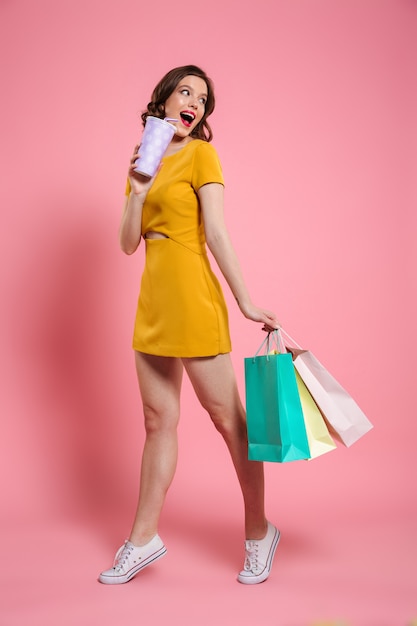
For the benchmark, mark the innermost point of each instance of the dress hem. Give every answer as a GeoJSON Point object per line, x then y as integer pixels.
{"type": "Point", "coordinates": [181, 355]}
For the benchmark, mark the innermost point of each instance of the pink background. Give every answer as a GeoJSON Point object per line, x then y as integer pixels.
{"type": "Point", "coordinates": [316, 129]}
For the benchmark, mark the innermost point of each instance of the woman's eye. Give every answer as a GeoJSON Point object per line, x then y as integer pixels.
{"type": "Point", "coordinates": [185, 92]}
{"type": "Point", "coordinates": [203, 101]}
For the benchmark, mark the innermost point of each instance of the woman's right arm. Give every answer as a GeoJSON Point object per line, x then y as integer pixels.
{"type": "Point", "coordinates": [131, 223]}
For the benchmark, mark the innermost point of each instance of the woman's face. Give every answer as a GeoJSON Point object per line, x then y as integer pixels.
{"type": "Point", "coordinates": [187, 104]}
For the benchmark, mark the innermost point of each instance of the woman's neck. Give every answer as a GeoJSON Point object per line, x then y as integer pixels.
{"type": "Point", "coordinates": [177, 144]}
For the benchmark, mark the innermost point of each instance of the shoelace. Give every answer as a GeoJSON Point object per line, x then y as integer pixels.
{"type": "Point", "coordinates": [251, 556]}
{"type": "Point", "coordinates": [122, 555]}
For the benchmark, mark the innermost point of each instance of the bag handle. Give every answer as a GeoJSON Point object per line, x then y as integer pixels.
{"type": "Point", "coordinates": [266, 343]}
{"type": "Point", "coordinates": [279, 341]}
{"type": "Point", "coordinates": [297, 345]}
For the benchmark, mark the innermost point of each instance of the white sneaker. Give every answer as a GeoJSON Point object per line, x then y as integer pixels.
{"type": "Point", "coordinates": [259, 556]}
{"type": "Point", "coordinates": [130, 559]}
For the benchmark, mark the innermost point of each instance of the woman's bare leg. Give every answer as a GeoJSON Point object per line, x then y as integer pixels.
{"type": "Point", "coordinates": [214, 382]}
{"type": "Point", "coordinates": [160, 385]}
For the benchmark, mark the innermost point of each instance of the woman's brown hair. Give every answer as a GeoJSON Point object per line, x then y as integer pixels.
{"type": "Point", "coordinates": [167, 86]}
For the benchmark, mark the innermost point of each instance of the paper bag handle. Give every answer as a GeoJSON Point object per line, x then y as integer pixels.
{"type": "Point", "coordinates": [265, 341]}
{"type": "Point", "coordinates": [278, 340]}
{"type": "Point", "coordinates": [297, 345]}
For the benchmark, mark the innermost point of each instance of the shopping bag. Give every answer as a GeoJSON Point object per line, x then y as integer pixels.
{"type": "Point", "coordinates": [275, 422]}
{"type": "Point", "coordinates": [318, 436]}
{"type": "Point", "coordinates": [345, 419]}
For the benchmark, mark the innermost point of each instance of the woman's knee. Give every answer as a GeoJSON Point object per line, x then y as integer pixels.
{"type": "Point", "coordinates": [229, 421]}
{"type": "Point", "coordinates": [160, 419]}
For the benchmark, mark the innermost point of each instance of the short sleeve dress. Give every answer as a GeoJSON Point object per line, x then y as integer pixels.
{"type": "Point", "coordinates": [181, 310]}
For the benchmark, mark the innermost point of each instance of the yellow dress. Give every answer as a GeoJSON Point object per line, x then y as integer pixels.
{"type": "Point", "coordinates": [181, 309]}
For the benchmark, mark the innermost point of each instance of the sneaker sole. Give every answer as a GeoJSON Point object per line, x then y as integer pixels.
{"type": "Point", "coordinates": [119, 580]}
{"type": "Point", "coordinates": [254, 580]}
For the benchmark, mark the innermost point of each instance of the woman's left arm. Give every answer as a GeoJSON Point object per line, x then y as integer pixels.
{"type": "Point", "coordinates": [218, 241]}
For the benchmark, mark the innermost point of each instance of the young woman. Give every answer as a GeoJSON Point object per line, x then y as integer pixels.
{"type": "Point", "coordinates": [182, 323]}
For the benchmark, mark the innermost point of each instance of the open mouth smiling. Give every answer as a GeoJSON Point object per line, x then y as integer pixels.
{"type": "Point", "coordinates": [187, 118]}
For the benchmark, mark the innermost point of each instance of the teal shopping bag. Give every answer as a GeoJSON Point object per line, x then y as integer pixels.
{"type": "Point", "coordinates": [275, 421]}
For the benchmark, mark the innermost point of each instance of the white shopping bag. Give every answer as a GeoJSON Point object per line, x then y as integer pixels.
{"type": "Point", "coordinates": [345, 419]}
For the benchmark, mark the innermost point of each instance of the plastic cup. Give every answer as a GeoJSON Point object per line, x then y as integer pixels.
{"type": "Point", "coordinates": [156, 137]}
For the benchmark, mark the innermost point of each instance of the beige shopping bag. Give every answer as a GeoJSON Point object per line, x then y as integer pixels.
{"type": "Point", "coordinates": [318, 436]}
